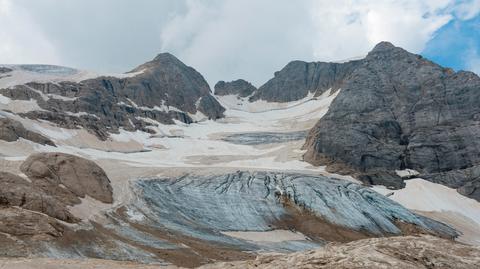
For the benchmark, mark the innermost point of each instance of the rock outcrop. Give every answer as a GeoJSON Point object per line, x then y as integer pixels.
{"type": "Point", "coordinates": [79, 176]}
{"type": "Point", "coordinates": [297, 79]}
{"type": "Point", "coordinates": [11, 130]}
{"type": "Point", "coordinates": [4, 70]}
{"type": "Point", "coordinates": [17, 191]}
{"type": "Point", "coordinates": [162, 90]}
{"type": "Point", "coordinates": [397, 110]}
{"type": "Point", "coordinates": [398, 252]}
{"type": "Point", "coordinates": [237, 87]}
{"type": "Point", "coordinates": [31, 209]}
{"type": "Point", "coordinates": [27, 224]}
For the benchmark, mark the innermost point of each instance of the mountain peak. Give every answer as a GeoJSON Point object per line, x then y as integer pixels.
{"type": "Point", "coordinates": [165, 56]}
{"type": "Point", "coordinates": [161, 59]}
{"type": "Point", "coordinates": [383, 46]}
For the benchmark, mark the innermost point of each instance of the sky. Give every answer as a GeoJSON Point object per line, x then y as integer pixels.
{"type": "Point", "coordinates": [231, 39]}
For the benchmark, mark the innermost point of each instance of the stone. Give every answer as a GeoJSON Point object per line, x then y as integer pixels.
{"type": "Point", "coordinates": [11, 130]}
{"type": "Point", "coordinates": [53, 171]}
{"type": "Point", "coordinates": [397, 110]}
{"type": "Point", "coordinates": [409, 252]}
{"type": "Point", "coordinates": [23, 223]}
{"type": "Point", "coordinates": [239, 87]}
{"type": "Point", "coordinates": [297, 79]}
{"type": "Point", "coordinates": [16, 191]}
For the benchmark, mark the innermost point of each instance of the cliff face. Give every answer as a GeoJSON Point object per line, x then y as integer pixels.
{"type": "Point", "coordinates": [238, 87]}
{"type": "Point", "coordinates": [397, 110]}
{"type": "Point", "coordinates": [163, 89]}
{"type": "Point", "coordinates": [297, 79]}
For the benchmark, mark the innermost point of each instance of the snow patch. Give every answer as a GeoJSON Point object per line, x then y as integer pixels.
{"type": "Point", "coordinates": [274, 236]}
{"type": "Point", "coordinates": [54, 133]}
{"type": "Point", "coordinates": [423, 195]}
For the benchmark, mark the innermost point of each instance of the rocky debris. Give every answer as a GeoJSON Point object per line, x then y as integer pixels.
{"type": "Point", "coordinates": [162, 90]}
{"type": "Point", "coordinates": [396, 111]}
{"type": "Point", "coordinates": [11, 130]}
{"type": "Point", "coordinates": [208, 105]}
{"type": "Point", "coordinates": [395, 252]}
{"type": "Point", "coordinates": [297, 79]}
{"type": "Point", "coordinates": [17, 191]}
{"type": "Point", "coordinates": [79, 176]}
{"type": "Point", "coordinates": [238, 87]}
{"type": "Point", "coordinates": [71, 263]}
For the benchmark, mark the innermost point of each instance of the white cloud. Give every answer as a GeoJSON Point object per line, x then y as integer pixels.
{"type": "Point", "coordinates": [466, 10]}
{"type": "Point", "coordinates": [22, 41]}
{"type": "Point", "coordinates": [251, 39]}
{"type": "Point", "coordinates": [224, 40]}
{"type": "Point", "coordinates": [473, 61]}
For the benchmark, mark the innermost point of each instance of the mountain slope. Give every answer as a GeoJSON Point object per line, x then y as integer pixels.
{"type": "Point", "coordinates": [399, 111]}
{"type": "Point", "coordinates": [161, 90]}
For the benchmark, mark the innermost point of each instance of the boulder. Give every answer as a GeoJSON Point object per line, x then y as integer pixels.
{"type": "Point", "coordinates": [11, 130]}
{"type": "Point", "coordinates": [238, 87]}
{"type": "Point", "coordinates": [77, 175]}
{"type": "Point", "coordinates": [28, 224]}
{"type": "Point", "coordinates": [16, 191]}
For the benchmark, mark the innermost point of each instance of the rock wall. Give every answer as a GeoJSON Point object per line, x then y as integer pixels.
{"type": "Point", "coordinates": [398, 111]}
{"type": "Point", "coordinates": [163, 90]}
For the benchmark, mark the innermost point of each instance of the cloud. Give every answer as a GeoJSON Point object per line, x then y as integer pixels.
{"type": "Point", "coordinates": [473, 60]}
{"type": "Point", "coordinates": [22, 41]}
{"type": "Point", "coordinates": [223, 39]}
{"type": "Point", "coordinates": [467, 9]}
{"type": "Point", "coordinates": [251, 39]}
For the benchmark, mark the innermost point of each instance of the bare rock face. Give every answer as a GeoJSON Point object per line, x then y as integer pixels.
{"type": "Point", "coordinates": [395, 252]}
{"type": "Point", "coordinates": [163, 90]}
{"type": "Point", "coordinates": [79, 176]}
{"type": "Point", "coordinates": [11, 130]}
{"type": "Point", "coordinates": [16, 191]}
{"type": "Point", "coordinates": [4, 70]}
{"type": "Point", "coordinates": [237, 87]}
{"type": "Point", "coordinates": [31, 210]}
{"type": "Point", "coordinates": [22, 223]}
{"type": "Point", "coordinates": [397, 110]}
{"type": "Point", "coordinates": [298, 78]}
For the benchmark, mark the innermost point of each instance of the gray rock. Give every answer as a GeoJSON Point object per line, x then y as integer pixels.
{"type": "Point", "coordinates": [298, 78]}
{"type": "Point", "coordinates": [11, 130]}
{"type": "Point", "coordinates": [209, 106]}
{"type": "Point", "coordinates": [4, 70]}
{"type": "Point", "coordinates": [238, 87]}
{"type": "Point", "coordinates": [163, 89]}
{"type": "Point", "coordinates": [397, 110]}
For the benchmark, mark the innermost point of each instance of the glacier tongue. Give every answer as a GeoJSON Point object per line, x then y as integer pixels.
{"type": "Point", "coordinates": [205, 206]}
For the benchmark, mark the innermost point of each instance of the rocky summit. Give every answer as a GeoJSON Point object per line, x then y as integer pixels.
{"type": "Point", "coordinates": [162, 90]}
{"type": "Point", "coordinates": [370, 163]}
{"type": "Point", "coordinates": [238, 87]}
{"type": "Point", "coordinates": [400, 111]}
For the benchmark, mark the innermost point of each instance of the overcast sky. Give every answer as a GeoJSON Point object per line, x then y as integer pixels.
{"type": "Point", "coordinates": [230, 39]}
